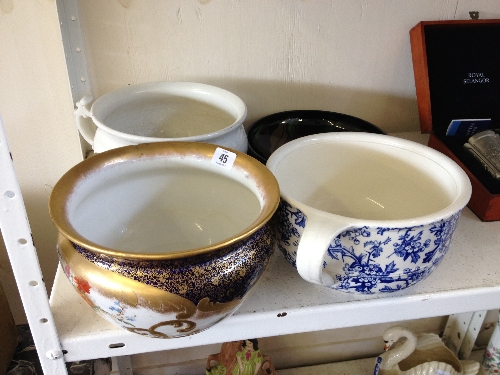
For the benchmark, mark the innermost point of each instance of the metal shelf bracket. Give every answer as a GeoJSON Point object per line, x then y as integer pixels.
{"type": "Point", "coordinates": [18, 240]}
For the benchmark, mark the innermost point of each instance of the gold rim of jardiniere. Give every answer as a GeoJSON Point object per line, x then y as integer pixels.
{"type": "Point", "coordinates": [264, 180]}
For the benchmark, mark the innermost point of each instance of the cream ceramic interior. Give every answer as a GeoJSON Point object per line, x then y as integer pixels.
{"type": "Point", "coordinates": [365, 178]}
{"type": "Point", "coordinates": [168, 110]}
{"type": "Point", "coordinates": [163, 116]}
{"type": "Point", "coordinates": [159, 206]}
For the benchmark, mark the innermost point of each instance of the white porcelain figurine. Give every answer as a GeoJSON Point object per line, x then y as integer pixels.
{"type": "Point", "coordinates": [422, 355]}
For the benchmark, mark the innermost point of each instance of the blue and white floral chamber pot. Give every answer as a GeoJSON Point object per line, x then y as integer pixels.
{"type": "Point", "coordinates": [165, 239]}
{"type": "Point", "coordinates": [366, 213]}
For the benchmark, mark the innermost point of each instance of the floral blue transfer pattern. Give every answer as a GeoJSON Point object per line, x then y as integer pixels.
{"type": "Point", "coordinates": [375, 260]}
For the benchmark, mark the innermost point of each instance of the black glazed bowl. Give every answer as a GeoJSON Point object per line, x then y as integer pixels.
{"type": "Point", "coordinates": [270, 132]}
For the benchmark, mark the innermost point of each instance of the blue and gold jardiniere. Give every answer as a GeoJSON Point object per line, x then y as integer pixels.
{"type": "Point", "coordinates": [165, 239]}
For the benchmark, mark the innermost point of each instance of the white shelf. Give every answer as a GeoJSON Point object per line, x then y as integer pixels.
{"type": "Point", "coordinates": [283, 303]}
{"type": "Point", "coordinates": [360, 366]}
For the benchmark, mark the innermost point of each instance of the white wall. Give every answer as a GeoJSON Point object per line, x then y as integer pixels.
{"type": "Point", "coordinates": [36, 108]}
{"type": "Point", "coordinates": [350, 56]}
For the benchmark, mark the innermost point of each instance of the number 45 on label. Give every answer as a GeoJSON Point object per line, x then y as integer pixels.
{"type": "Point", "coordinates": [223, 158]}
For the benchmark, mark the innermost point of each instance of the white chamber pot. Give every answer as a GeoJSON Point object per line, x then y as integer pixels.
{"type": "Point", "coordinates": [161, 112]}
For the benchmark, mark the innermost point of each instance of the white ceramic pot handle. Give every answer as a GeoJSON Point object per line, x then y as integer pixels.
{"type": "Point", "coordinates": [84, 121]}
{"type": "Point", "coordinates": [320, 230]}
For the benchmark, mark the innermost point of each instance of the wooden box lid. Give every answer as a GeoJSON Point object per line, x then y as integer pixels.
{"type": "Point", "coordinates": [457, 72]}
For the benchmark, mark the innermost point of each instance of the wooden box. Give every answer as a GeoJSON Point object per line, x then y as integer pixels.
{"type": "Point", "coordinates": [457, 76]}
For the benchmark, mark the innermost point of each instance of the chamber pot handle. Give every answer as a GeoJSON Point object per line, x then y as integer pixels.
{"type": "Point", "coordinates": [320, 230]}
{"type": "Point", "coordinates": [84, 121]}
